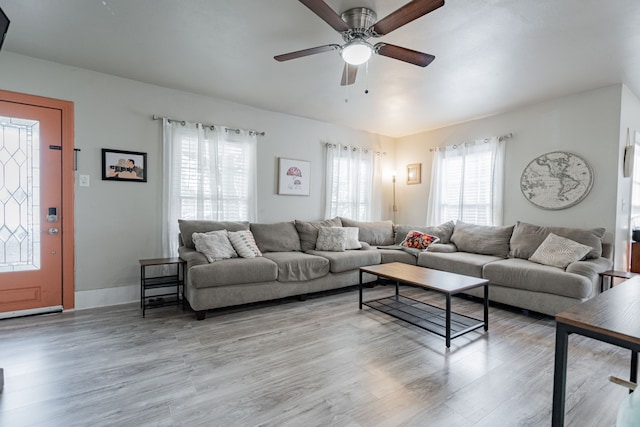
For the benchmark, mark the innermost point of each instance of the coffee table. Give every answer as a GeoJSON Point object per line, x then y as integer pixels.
{"type": "Point", "coordinates": [440, 321]}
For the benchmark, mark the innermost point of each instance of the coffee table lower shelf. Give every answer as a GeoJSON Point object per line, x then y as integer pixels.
{"type": "Point", "coordinates": [425, 316]}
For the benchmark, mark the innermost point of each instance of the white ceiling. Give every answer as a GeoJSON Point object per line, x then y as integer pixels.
{"type": "Point", "coordinates": [491, 55]}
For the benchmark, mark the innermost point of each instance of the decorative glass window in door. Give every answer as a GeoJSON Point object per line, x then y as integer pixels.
{"type": "Point", "coordinates": [19, 194]}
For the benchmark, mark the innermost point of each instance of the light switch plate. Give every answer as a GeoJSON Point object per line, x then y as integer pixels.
{"type": "Point", "coordinates": [83, 180]}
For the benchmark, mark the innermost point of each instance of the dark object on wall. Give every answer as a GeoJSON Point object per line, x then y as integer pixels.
{"type": "Point", "coordinates": [4, 26]}
{"type": "Point", "coordinates": [635, 235]}
{"type": "Point", "coordinates": [119, 165]}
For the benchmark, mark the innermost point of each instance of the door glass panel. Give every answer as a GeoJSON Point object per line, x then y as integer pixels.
{"type": "Point", "coordinates": [19, 194]}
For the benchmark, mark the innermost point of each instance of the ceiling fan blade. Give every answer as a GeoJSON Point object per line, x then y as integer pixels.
{"type": "Point", "coordinates": [306, 52]}
{"type": "Point", "coordinates": [328, 15]}
{"type": "Point", "coordinates": [407, 13]}
{"type": "Point", "coordinates": [349, 74]}
{"type": "Point", "coordinates": [403, 54]}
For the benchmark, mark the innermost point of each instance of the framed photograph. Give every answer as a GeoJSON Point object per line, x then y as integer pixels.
{"type": "Point", "coordinates": [293, 177]}
{"type": "Point", "coordinates": [119, 165]}
{"type": "Point", "coordinates": [414, 171]}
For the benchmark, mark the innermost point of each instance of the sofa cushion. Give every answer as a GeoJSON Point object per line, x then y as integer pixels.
{"type": "Point", "coordinates": [244, 244]}
{"type": "Point", "coordinates": [522, 274]}
{"type": "Point", "coordinates": [398, 254]}
{"type": "Point", "coordinates": [468, 264]}
{"type": "Point", "coordinates": [188, 227]}
{"type": "Point", "coordinates": [349, 260]}
{"type": "Point", "coordinates": [559, 252]}
{"type": "Point", "coordinates": [233, 271]}
{"type": "Point", "coordinates": [298, 266]}
{"type": "Point", "coordinates": [375, 232]}
{"type": "Point", "coordinates": [527, 237]}
{"type": "Point", "coordinates": [215, 245]}
{"type": "Point", "coordinates": [443, 247]}
{"type": "Point", "coordinates": [276, 237]}
{"type": "Point", "coordinates": [308, 231]}
{"type": "Point", "coordinates": [482, 239]}
{"type": "Point", "coordinates": [442, 231]}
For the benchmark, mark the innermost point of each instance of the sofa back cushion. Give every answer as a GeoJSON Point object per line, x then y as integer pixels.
{"type": "Point", "coordinates": [527, 237]}
{"type": "Point", "coordinates": [442, 231]}
{"type": "Point", "coordinates": [482, 239]}
{"type": "Point", "coordinates": [375, 233]}
{"type": "Point", "coordinates": [276, 237]}
{"type": "Point", "coordinates": [308, 231]}
{"type": "Point", "coordinates": [188, 227]}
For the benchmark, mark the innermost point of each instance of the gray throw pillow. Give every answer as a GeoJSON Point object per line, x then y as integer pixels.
{"type": "Point", "coordinates": [190, 226]}
{"type": "Point", "coordinates": [559, 251]}
{"type": "Point", "coordinates": [333, 239]}
{"type": "Point", "coordinates": [308, 231]}
{"type": "Point", "coordinates": [375, 233]}
{"type": "Point", "coordinates": [482, 239]}
{"type": "Point", "coordinates": [527, 237]}
{"type": "Point", "coordinates": [214, 245]}
{"type": "Point", "coordinates": [276, 237]}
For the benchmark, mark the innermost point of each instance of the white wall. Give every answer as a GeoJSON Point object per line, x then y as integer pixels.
{"type": "Point", "coordinates": [118, 223]}
{"type": "Point", "coordinates": [586, 123]}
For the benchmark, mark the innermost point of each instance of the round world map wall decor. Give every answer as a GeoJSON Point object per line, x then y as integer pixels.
{"type": "Point", "coordinates": [556, 180]}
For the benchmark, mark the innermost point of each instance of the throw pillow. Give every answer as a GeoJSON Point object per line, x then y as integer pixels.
{"type": "Point", "coordinates": [333, 239]}
{"type": "Point", "coordinates": [527, 237]}
{"type": "Point", "coordinates": [352, 238]}
{"type": "Point", "coordinates": [442, 231]}
{"type": "Point", "coordinates": [308, 231]}
{"type": "Point", "coordinates": [214, 245]}
{"type": "Point", "coordinates": [244, 244]}
{"type": "Point", "coordinates": [418, 240]}
{"type": "Point", "coordinates": [559, 251]}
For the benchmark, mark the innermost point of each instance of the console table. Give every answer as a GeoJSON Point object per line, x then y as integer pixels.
{"type": "Point", "coordinates": [612, 317]}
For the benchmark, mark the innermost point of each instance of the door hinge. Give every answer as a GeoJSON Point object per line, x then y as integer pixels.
{"type": "Point", "coordinates": [55, 147]}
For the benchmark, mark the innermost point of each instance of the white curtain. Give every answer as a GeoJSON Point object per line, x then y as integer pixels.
{"type": "Point", "coordinates": [349, 182]}
{"type": "Point", "coordinates": [209, 174]}
{"type": "Point", "coordinates": [467, 183]}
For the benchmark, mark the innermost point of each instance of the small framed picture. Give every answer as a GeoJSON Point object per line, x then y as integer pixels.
{"type": "Point", "coordinates": [119, 165]}
{"type": "Point", "coordinates": [414, 173]}
{"type": "Point", "coordinates": [293, 177]}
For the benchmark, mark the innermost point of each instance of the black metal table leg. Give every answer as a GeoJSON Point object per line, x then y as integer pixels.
{"type": "Point", "coordinates": [360, 289]}
{"type": "Point", "coordinates": [448, 321]}
{"type": "Point", "coordinates": [486, 307]}
{"type": "Point", "coordinates": [560, 375]}
{"type": "Point", "coordinates": [397, 288]}
{"type": "Point", "coordinates": [634, 368]}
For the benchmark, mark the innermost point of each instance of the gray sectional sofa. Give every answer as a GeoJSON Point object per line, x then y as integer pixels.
{"type": "Point", "coordinates": [292, 265]}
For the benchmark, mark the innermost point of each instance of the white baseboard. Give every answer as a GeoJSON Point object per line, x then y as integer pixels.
{"type": "Point", "coordinates": [106, 297]}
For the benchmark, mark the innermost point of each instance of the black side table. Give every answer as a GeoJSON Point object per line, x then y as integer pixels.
{"type": "Point", "coordinates": [611, 274]}
{"type": "Point", "coordinates": [172, 283]}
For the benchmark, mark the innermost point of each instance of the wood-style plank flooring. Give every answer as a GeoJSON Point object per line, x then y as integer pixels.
{"type": "Point", "coordinates": [319, 362]}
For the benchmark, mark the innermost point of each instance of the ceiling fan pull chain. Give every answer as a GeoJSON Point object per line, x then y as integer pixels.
{"type": "Point", "coordinates": [346, 87]}
{"type": "Point", "coordinates": [366, 78]}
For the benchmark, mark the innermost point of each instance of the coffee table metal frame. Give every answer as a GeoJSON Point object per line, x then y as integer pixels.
{"type": "Point", "coordinates": [442, 322]}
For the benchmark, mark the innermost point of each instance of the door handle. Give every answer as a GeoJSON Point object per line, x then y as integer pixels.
{"type": "Point", "coordinates": [53, 231]}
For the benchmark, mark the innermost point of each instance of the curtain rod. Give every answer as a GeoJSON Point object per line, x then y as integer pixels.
{"type": "Point", "coordinates": [501, 138]}
{"type": "Point", "coordinates": [183, 122]}
{"type": "Point", "coordinates": [354, 148]}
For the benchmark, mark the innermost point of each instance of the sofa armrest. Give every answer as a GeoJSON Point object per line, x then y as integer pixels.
{"type": "Point", "coordinates": [191, 256]}
{"type": "Point", "coordinates": [590, 268]}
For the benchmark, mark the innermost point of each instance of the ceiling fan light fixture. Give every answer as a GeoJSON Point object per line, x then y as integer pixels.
{"type": "Point", "coordinates": [356, 52]}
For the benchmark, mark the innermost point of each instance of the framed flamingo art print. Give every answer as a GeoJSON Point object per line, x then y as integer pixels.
{"type": "Point", "coordinates": [293, 177]}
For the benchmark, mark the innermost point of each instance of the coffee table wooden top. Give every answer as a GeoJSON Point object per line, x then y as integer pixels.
{"type": "Point", "coordinates": [615, 312]}
{"type": "Point", "coordinates": [437, 280]}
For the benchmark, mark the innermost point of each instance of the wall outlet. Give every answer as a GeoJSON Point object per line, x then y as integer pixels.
{"type": "Point", "coordinates": [83, 180]}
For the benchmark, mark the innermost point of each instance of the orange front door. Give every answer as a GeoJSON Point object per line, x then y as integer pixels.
{"type": "Point", "coordinates": [31, 258]}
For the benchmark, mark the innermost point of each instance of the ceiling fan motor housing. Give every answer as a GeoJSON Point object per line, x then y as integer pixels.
{"type": "Point", "coordinates": [359, 20]}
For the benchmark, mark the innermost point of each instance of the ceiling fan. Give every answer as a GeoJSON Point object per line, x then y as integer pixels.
{"type": "Point", "coordinates": [359, 24]}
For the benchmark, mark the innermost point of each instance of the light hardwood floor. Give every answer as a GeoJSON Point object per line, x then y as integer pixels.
{"type": "Point", "coordinates": [318, 362]}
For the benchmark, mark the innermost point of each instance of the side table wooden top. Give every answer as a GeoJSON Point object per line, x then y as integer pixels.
{"type": "Point", "coordinates": [615, 312]}
{"type": "Point", "coordinates": [160, 261]}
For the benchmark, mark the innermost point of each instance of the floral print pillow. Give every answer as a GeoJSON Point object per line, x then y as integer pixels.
{"type": "Point", "coordinates": [419, 240]}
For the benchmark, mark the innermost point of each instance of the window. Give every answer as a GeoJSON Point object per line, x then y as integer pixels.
{"type": "Point", "coordinates": [209, 174]}
{"type": "Point", "coordinates": [349, 186]}
{"type": "Point", "coordinates": [467, 183]}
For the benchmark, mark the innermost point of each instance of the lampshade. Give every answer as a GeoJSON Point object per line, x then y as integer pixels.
{"type": "Point", "coordinates": [356, 52]}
